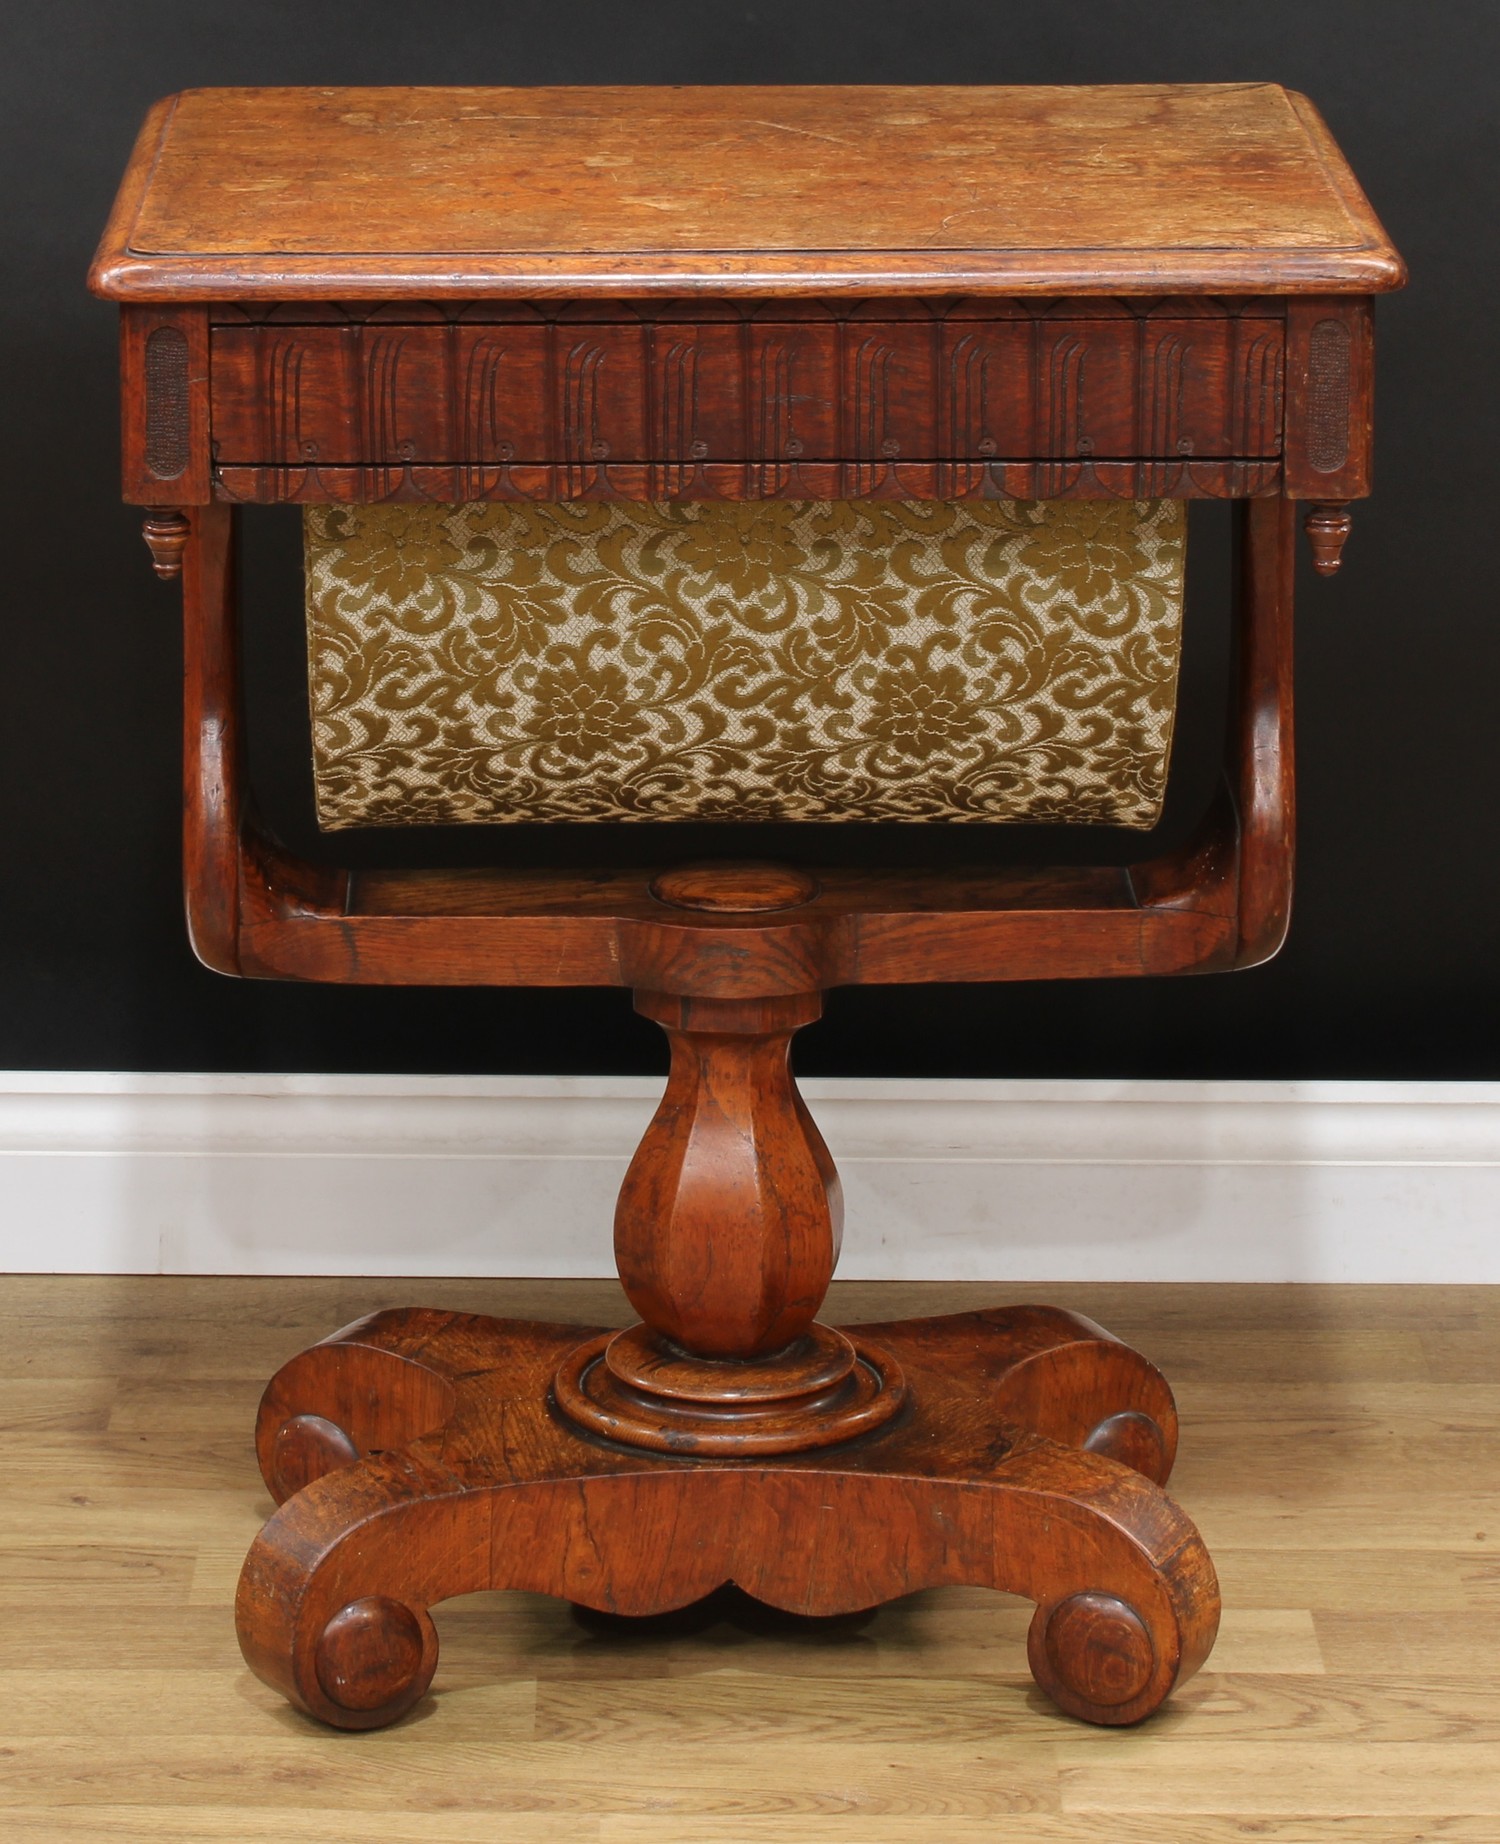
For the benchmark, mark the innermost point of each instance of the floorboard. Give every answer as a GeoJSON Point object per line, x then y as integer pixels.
{"type": "Point", "coordinates": [1340, 1454]}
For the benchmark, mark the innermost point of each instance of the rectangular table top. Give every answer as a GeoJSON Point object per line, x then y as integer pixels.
{"type": "Point", "coordinates": [371, 194]}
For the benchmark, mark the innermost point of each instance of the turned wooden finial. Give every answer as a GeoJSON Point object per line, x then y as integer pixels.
{"type": "Point", "coordinates": [1327, 529]}
{"type": "Point", "coordinates": [166, 532]}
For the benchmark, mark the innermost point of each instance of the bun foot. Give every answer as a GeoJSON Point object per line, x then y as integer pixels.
{"type": "Point", "coordinates": [375, 1659]}
{"type": "Point", "coordinates": [1094, 1657]}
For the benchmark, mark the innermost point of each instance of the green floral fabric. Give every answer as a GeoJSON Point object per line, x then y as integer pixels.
{"type": "Point", "coordinates": [777, 660]}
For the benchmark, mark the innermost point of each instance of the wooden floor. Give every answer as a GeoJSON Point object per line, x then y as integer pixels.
{"type": "Point", "coordinates": [1340, 1454]}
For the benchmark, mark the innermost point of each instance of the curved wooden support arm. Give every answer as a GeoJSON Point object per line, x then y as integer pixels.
{"type": "Point", "coordinates": [1265, 794]}
{"type": "Point", "coordinates": [255, 910]}
{"type": "Point", "coordinates": [1241, 860]}
{"type": "Point", "coordinates": [212, 754]}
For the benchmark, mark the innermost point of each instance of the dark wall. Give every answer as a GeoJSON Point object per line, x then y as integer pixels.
{"type": "Point", "coordinates": [1392, 965]}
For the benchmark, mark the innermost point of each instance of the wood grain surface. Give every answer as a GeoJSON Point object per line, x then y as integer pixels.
{"type": "Point", "coordinates": [1098, 383]}
{"type": "Point", "coordinates": [1339, 1455]}
{"type": "Point", "coordinates": [367, 193]}
{"type": "Point", "coordinates": [1021, 1449]}
{"type": "Point", "coordinates": [531, 198]}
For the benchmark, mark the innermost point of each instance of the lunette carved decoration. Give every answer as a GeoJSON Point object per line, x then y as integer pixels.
{"type": "Point", "coordinates": [973, 368]}
{"type": "Point", "coordinates": [676, 441]}
{"type": "Point", "coordinates": [776, 400]}
{"type": "Point", "coordinates": [582, 442]}
{"type": "Point", "coordinates": [380, 403]}
{"type": "Point", "coordinates": [1163, 398]}
{"type": "Point", "coordinates": [483, 426]}
{"type": "Point", "coordinates": [874, 359]}
{"type": "Point", "coordinates": [1257, 407]}
{"type": "Point", "coordinates": [283, 400]}
{"type": "Point", "coordinates": [1117, 388]}
{"type": "Point", "coordinates": [1062, 389]}
{"type": "Point", "coordinates": [780, 386]}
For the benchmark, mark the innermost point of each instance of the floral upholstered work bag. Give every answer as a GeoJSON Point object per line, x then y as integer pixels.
{"type": "Point", "coordinates": [981, 660]}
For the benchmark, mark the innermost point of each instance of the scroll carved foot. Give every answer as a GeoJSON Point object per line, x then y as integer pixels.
{"type": "Point", "coordinates": [377, 1384]}
{"type": "Point", "coordinates": [505, 1492]}
{"type": "Point", "coordinates": [1062, 1376]}
{"type": "Point", "coordinates": [334, 1617]}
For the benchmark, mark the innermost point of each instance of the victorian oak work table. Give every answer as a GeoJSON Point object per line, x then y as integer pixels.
{"type": "Point", "coordinates": [695, 310]}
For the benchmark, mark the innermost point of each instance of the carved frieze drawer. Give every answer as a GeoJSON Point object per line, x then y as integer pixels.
{"type": "Point", "coordinates": [1006, 386]}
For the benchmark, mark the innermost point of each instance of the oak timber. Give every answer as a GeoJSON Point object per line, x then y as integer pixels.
{"type": "Point", "coordinates": [379, 193]}
{"type": "Point", "coordinates": [1201, 262]}
{"type": "Point", "coordinates": [1341, 1458]}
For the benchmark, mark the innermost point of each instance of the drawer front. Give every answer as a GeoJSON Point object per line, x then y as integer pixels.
{"type": "Point", "coordinates": [576, 394]}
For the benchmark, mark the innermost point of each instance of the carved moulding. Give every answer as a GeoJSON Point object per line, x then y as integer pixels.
{"type": "Point", "coordinates": [456, 485]}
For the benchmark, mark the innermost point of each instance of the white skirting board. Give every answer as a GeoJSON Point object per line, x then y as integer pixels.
{"type": "Point", "coordinates": [944, 1180]}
